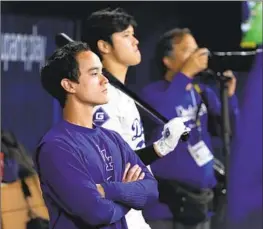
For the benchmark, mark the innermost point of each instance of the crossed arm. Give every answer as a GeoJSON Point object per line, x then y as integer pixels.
{"type": "Point", "coordinates": [69, 184]}
{"type": "Point", "coordinates": [138, 187]}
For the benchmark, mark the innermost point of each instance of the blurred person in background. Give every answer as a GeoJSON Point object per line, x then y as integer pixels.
{"type": "Point", "coordinates": [17, 162]}
{"type": "Point", "coordinates": [110, 34]}
{"type": "Point", "coordinates": [191, 165]}
{"type": "Point", "coordinates": [81, 166]}
{"type": "Point", "coordinates": [244, 209]}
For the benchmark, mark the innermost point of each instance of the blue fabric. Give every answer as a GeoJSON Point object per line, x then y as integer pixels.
{"type": "Point", "coordinates": [245, 169]}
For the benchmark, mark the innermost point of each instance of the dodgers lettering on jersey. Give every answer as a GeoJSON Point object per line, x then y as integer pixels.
{"type": "Point", "coordinates": [138, 132]}
{"type": "Point", "coordinates": [189, 113]}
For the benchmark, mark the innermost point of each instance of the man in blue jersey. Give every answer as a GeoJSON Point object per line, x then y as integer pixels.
{"type": "Point", "coordinates": [191, 165]}
{"type": "Point", "coordinates": [82, 167]}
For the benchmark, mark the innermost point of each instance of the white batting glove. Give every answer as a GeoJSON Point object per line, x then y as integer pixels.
{"type": "Point", "coordinates": [171, 134]}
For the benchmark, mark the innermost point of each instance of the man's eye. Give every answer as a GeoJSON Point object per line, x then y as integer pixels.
{"type": "Point", "coordinates": [94, 73]}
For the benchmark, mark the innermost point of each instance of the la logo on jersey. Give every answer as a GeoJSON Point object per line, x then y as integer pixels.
{"type": "Point", "coordinates": [107, 160]}
{"type": "Point", "coordinates": [100, 117]}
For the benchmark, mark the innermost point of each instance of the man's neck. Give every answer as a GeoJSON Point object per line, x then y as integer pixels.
{"type": "Point", "coordinates": [116, 69]}
{"type": "Point", "coordinates": [169, 75]}
{"type": "Point", "coordinates": [78, 114]}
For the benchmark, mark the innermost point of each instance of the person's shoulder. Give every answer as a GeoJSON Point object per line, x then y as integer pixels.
{"type": "Point", "coordinates": [117, 96]}
{"type": "Point", "coordinates": [54, 141]}
{"type": "Point", "coordinates": [207, 89]}
{"type": "Point", "coordinates": [108, 132]}
{"type": "Point", "coordinates": [113, 92]}
{"type": "Point", "coordinates": [56, 135]}
{"type": "Point", "coordinates": [115, 138]}
{"type": "Point", "coordinates": [113, 135]}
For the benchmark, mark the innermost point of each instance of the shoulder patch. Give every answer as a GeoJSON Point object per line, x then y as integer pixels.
{"type": "Point", "coordinates": [100, 116]}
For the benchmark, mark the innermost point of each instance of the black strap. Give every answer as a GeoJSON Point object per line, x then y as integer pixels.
{"type": "Point", "coordinates": [214, 130]}
{"type": "Point", "coordinates": [114, 81]}
{"type": "Point", "coordinates": [213, 121]}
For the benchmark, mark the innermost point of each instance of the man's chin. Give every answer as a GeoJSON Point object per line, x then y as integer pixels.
{"type": "Point", "coordinates": [135, 62]}
{"type": "Point", "coordinates": [102, 102]}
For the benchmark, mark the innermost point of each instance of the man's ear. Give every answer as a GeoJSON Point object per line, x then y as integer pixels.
{"type": "Point", "coordinates": [104, 47]}
{"type": "Point", "coordinates": [167, 62]}
{"type": "Point", "coordinates": [68, 85]}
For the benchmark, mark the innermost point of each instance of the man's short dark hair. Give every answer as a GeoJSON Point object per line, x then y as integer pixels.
{"type": "Point", "coordinates": [103, 23]}
{"type": "Point", "coordinates": [62, 64]}
{"type": "Point", "coordinates": [165, 45]}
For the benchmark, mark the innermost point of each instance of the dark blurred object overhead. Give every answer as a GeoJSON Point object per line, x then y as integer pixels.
{"type": "Point", "coordinates": [214, 24]}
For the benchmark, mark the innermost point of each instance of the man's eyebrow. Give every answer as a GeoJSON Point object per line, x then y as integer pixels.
{"type": "Point", "coordinates": [94, 68]}
{"type": "Point", "coordinates": [128, 31]}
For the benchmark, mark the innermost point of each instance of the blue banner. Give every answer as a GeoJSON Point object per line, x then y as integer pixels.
{"type": "Point", "coordinates": [27, 110]}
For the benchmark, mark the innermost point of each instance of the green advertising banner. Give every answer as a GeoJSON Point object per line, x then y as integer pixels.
{"type": "Point", "coordinates": [252, 27]}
